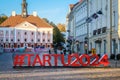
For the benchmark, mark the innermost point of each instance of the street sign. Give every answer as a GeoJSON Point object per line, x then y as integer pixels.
{"type": "Point", "coordinates": [93, 51]}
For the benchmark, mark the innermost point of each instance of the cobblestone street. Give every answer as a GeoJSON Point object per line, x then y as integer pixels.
{"type": "Point", "coordinates": [62, 74]}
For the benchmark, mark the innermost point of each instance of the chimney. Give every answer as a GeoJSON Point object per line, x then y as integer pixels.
{"type": "Point", "coordinates": [13, 13]}
{"type": "Point", "coordinates": [34, 13]}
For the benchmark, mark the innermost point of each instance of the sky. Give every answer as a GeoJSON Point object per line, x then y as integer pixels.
{"type": "Point", "coordinates": [53, 10]}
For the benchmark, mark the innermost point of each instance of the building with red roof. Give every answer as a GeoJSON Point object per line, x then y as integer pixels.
{"type": "Point", "coordinates": [25, 30]}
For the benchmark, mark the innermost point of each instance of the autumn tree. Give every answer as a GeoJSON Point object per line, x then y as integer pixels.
{"type": "Point", "coordinates": [61, 27]}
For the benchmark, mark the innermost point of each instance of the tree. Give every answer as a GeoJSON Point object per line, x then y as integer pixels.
{"type": "Point", "coordinates": [57, 36]}
{"type": "Point", "coordinates": [3, 18]}
{"type": "Point", "coordinates": [61, 27]}
{"type": "Point", "coordinates": [45, 19]}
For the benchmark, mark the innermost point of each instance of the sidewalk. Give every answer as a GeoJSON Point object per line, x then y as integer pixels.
{"type": "Point", "coordinates": [114, 63]}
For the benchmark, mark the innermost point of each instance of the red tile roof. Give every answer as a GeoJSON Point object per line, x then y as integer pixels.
{"type": "Point", "coordinates": [12, 21]}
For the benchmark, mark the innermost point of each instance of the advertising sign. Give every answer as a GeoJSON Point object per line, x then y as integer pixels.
{"type": "Point", "coordinates": [73, 60]}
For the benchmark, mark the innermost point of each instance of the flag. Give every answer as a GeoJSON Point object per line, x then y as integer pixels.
{"type": "Point", "coordinates": [88, 20]}
{"type": "Point", "coordinates": [99, 12]}
{"type": "Point", "coordinates": [95, 16]}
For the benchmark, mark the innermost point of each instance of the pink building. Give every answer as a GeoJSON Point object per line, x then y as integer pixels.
{"type": "Point", "coordinates": [25, 30]}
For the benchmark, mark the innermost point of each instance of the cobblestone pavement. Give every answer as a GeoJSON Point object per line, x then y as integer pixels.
{"type": "Point", "coordinates": [8, 73]}
{"type": "Point", "coordinates": [63, 74]}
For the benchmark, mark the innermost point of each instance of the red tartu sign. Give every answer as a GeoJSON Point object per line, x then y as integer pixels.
{"type": "Point", "coordinates": [73, 60]}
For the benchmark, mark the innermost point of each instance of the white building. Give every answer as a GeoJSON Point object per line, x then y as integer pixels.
{"type": "Point", "coordinates": [104, 30]}
{"type": "Point", "coordinates": [77, 24]}
{"type": "Point", "coordinates": [102, 24]}
{"type": "Point", "coordinates": [25, 30]}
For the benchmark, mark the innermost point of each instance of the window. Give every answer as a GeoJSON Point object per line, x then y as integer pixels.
{"type": "Point", "coordinates": [1, 32]}
{"type": "Point", "coordinates": [38, 40]}
{"type": "Point", "coordinates": [18, 46]}
{"type": "Point", "coordinates": [32, 33]}
{"type": "Point", "coordinates": [6, 39]}
{"type": "Point", "coordinates": [32, 46]}
{"type": "Point", "coordinates": [25, 33]}
{"type": "Point", "coordinates": [1, 40]}
{"type": "Point", "coordinates": [12, 32]}
{"type": "Point", "coordinates": [25, 40]}
{"type": "Point", "coordinates": [38, 33]}
{"type": "Point", "coordinates": [94, 32]}
{"type": "Point", "coordinates": [18, 33]}
{"type": "Point", "coordinates": [6, 32]}
{"type": "Point", "coordinates": [104, 29]}
{"type": "Point", "coordinates": [32, 40]}
{"type": "Point", "coordinates": [48, 40]}
{"type": "Point", "coordinates": [43, 33]}
{"type": "Point", "coordinates": [11, 39]}
{"type": "Point", "coordinates": [18, 40]}
{"type": "Point", "coordinates": [43, 40]}
{"type": "Point", "coordinates": [99, 31]}
{"type": "Point", "coordinates": [48, 33]}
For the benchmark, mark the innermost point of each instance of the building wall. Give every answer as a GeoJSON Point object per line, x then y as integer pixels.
{"type": "Point", "coordinates": [77, 24]}
{"type": "Point", "coordinates": [104, 42]}
{"type": "Point", "coordinates": [25, 34]}
{"type": "Point", "coordinates": [104, 30]}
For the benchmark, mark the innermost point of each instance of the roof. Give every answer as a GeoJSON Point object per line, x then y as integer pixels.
{"type": "Point", "coordinates": [73, 5]}
{"type": "Point", "coordinates": [12, 21]}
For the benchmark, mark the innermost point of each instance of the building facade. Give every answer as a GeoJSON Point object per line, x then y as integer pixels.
{"type": "Point", "coordinates": [25, 30]}
{"type": "Point", "coordinates": [102, 25]}
{"type": "Point", "coordinates": [78, 26]}
{"type": "Point", "coordinates": [104, 29]}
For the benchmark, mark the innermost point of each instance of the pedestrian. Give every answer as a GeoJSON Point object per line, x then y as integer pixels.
{"type": "Point", "coordinates": [49, 49]}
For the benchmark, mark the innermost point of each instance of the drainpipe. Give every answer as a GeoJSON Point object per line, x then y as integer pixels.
{"type": "Point", "coordinates": [88, 26]}
{"type": "Point", "coordinates": [110, 26]}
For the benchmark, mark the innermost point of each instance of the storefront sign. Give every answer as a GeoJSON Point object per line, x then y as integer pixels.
{"type": "Point", "coordinates": [73, 60]}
